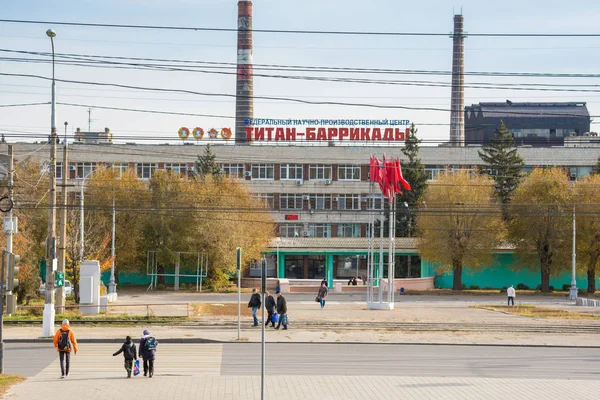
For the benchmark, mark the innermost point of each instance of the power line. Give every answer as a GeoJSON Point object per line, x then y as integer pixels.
{"type": "Point", "coordinates": [289, 31]}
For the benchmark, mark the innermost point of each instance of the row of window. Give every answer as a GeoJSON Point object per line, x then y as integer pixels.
{"type": "Point", "coordinates": [349, 172]}
{"type": "Point", "coordinates": [321, 201]}
{"type": "Point", "coordinates": [318, 230]}
{"type": "Point", "coordinates": [143, 170]}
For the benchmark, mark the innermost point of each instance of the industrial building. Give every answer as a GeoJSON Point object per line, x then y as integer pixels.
{"type": "Point", "coordinates": [532, 124]}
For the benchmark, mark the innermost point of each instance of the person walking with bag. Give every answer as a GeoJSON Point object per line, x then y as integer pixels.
{"type": "Point", "coordinates": [282, 310]}
{"type": "Point", "coordinates": [270, 307]}
{"type": "Point", "coordinates": [129, 354]}
{"type": "Point", "coordinates": [65, 341]}
{"type": "Point", "coordinates": [147, 352]}
{"type": "Point", "coordinates": [322, 295]}
{"type": "Point", "coordinates": [255, 304]}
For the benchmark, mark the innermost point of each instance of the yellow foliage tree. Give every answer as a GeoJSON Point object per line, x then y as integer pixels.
{"type": "Point", "coordinates": [588, 227]}
{"type": "Point", "coordinates": [461, 225]}
{"type": "Point", "coordinates": [542, 207]}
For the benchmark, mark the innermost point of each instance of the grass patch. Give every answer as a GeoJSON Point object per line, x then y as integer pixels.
{"type": "Point", "coordinates": [7, 380]}
{"type": "Point", "coordinates": [528, 310]}
{"type": "Point", "coordinates": [220, 310]}
{"type": "Point", "coordinates": [97, 318]}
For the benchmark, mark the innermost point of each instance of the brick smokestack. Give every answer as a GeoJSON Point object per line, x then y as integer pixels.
{"type": "Point", "coordinates": [457, 102]}
{"type": "Point", "coordinates": [244, 103]}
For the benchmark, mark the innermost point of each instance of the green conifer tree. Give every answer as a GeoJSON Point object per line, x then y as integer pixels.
{"type": "Point", "coordinates": [207, 163]}
{"type": "Point", "coordinates": [504, 163]}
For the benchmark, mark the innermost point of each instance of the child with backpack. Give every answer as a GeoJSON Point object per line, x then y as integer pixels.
{"type": "Point", "coordinates": [64, 341]}
{"type": "Point", "coordinates": [129, 353]}
{"type": "Point", "coordinates": [147, 352]}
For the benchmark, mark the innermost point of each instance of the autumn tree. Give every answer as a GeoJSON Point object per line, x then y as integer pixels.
{"type": "Point", "coordinates": [413, 171]}
{"type": "Point", "coordinates": [541, 210]}
{"type": "Point", "coordinates": [461, 224]}
{"type": "Point", "coordinates": [588, 227]}
{"type": "Point", "coordinates": [505, 164]}
{"type": "Point", "coordinates": [226, 216]}
{"type": "Point", "coordinates": [129, 196]}
{"type": "Point", "coordinates": [596, 169]}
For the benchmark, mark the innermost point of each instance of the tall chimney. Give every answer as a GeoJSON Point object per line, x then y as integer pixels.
{"type": "Point", "coordinates": [244, 103]}
{"type": "Point", "coordinates": [457, 102]}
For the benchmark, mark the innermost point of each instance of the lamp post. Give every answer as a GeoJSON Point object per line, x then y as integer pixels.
{"type": "Point", "coordinates": [409, 220]}
{"type": "Point", "coordinates": [573, 291]}
{"type": "Point", "coordinates": [49, 312]}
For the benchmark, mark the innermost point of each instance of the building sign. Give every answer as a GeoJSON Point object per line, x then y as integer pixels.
{"type": "Point", "coordinates": [291, 217]}
{"type": "Point", "coordinates": [327, 134]}
{"type": "Point", "coordinates": [198, 133]}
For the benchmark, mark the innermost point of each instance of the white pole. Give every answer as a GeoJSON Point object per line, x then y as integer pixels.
{"type": "Point", "coordinates": [81, 225]}
{"type": "Point", "coordinates": [390, 252]}
{"type": "Point", "coordinates": [380, 277]}
{"type": "Point", "coordinates": [573, 291]}
{"type": "Point", "coordinates": [239, 273]}
{"type": "Point", "coordinates": [112, 286]}
{"type": "Point", "coordinates": [262, 341]}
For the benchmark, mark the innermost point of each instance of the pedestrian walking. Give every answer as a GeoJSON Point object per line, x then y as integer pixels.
{"type": "Point", "coordinates": [255, 304]}
{"type": "Point", "coordinates": [270, 307]}
{"type": "Point", "coordinates": [322, 295]}
{"type": "Point", "coordinates": [65, 342]}
{"type": "Point", "coordinates": [511, 295]}
{"type": "Point", "coordinates": [281, 310]}
{"type": "Point", "coordinates": [147, 352]}
{"type": "Point", "coordinates": [324, 281]}
{"type": "Point", "coordinates": [129, 354]}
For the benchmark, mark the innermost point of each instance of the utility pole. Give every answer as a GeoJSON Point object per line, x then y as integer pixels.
{"type": "Point", "coordinates": [9, 230]}
{"type": "Point", "coordinates": [573, 291]}
{"type": "Point", "coordinates": [2, 313]}
{"type": "Point", "coordinates": [49, 312]}
{"type": "Point", "coordinates": [60, 293]}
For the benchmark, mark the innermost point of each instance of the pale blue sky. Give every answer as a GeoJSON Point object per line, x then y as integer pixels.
{"type": "Point", "coordinates": [552, 55]}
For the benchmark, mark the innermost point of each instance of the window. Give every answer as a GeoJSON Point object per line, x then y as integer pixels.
{"type": "Point", "coordinates": [290, 230]}
{"type": "Point", "coordinates": [319, 230]}
{"type": "Point", "coordinates": [177, 168]}
{"type": "Point", "coordinates": [290, 201]}
{"type": "Point", "coordinates": [348, 230]}
{"type": "Point", "coordinates": [375, 202]}
{"type": "Point", "coordinates": [121, 168]}
{"type": "Point", "coordinates": [319, 172]}
{"type": "Point", "coordinates": [349, 173]}
{"type": "Point", "coordinates": [267, 199]}
{"type": "Point", "coordinates": [263, 171]}
{"type": "Point", "coordinates": [234, 170]}
{"type": "Point", "coordinates": [59, 170]}
{"type": "Point", "coordinates": [320, 201]}
{"type": "Point", "coordinates": [290, 171]}
{"type": "Point", "coordinates": [84, 169]}
{"type": "Point", "coordinates": [348, 202]}
{"type": "Point", "coordinates": [433, 173]}
{"type": "Point", "coordinates": [144, 171]}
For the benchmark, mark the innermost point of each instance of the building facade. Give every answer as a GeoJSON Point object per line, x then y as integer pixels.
{"type": "Point", "coordinates": [534, 124]}
{"type": "Point", "coordinates": [319, 196]}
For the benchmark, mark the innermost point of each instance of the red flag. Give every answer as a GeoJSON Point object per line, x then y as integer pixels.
{"type": "Point", "coordinates": [400, 178]}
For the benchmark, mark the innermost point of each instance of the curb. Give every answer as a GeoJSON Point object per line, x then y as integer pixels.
{"type": "Point", "coordinates": [213, 341]}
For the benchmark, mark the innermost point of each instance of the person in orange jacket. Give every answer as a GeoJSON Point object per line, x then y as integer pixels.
{"type": "Point", "coordinates": [64, 341]}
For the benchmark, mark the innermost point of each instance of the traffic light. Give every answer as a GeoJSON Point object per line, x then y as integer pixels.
{"type": "Point", "coordinates": [59, 279]}
{"type": "Point", "coordinates": [12, 282]}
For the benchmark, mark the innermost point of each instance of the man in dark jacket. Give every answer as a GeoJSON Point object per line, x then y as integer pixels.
{"type": "Point", "coordinates": [129, 353]}
{"type": "Point", "coordinates": [147, 352]}
{"type": "Point", "coordinates": [270, 307]}
{"type": "Point", "coordinates": [282, 310]}
{"type": "Point", "coordinates": [255, 303]}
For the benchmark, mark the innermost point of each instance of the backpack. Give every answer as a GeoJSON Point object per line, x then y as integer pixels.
{"type": "Point", "coordinates": [64, 344]}
{"type": "Point", "coordinates": [151, 343]}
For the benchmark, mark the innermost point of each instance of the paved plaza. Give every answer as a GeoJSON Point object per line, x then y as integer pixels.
{"type": "Point", "coordinates": [217, 371]}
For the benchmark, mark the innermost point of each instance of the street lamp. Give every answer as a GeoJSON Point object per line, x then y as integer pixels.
{"type": "Point", "coordinates": [573, 291]}
{"type": "Point", "coordinates": [408, 219]}
{"type": "Point", "coordinates": [49, 312]}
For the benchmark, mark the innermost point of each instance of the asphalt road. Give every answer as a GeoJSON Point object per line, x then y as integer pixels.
{"type": "Point", "coordinates": [367, 360]}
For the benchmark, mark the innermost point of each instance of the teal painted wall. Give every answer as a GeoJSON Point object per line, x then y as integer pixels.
{"type": "Point", "coordinates": [133, 279]}
{"type": "Point", "coordinates": [499, 275]}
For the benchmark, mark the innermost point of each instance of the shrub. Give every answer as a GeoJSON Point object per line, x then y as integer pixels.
{"type": "Point", "coordinates": [160, 286]}
{"type": "Point", "coordinates": [566, 287]}
{"type": "Point", "coordinates": [488, 288]}
{"type": "Point", "coordinates": [522, 286]}
{"type": "Point", "coordinates": [551, 288]}
{"type": "Point", "coordinates": [474, 287]}
{"type": "Point", "coordinates": [504, 289]}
